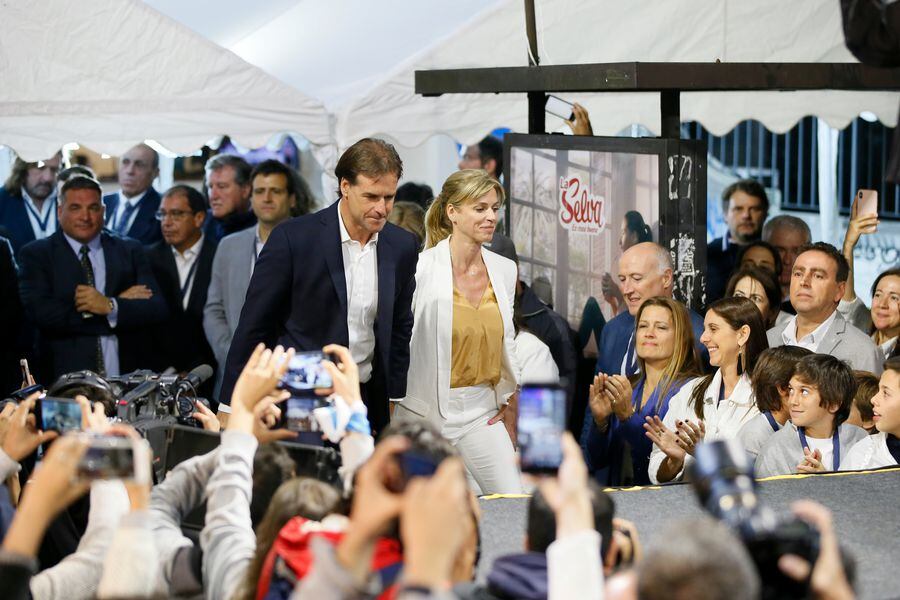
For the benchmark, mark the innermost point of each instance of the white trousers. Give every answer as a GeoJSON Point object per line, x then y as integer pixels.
{"type": "Point", "coordinates": [486, 450]}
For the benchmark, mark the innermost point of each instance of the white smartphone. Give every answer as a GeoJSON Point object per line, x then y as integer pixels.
{"type": "Point", "coordinates": [558, 107]}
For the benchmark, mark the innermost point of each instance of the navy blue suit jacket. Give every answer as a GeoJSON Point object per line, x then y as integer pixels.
{"type": "Point", "coordinates": [720, 263]}
{"type": "Point", "coordinates": [298, 297]}
{"type": "Point", "coordinates": [14, 217]}
{"type": "Point", "coordinates": [145, 228]}
{"type": "Point", "coordinates": [49, 272]}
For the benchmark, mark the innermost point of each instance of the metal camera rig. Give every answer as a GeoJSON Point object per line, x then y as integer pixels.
{"type": "Point", "coordinates": [142, 398]}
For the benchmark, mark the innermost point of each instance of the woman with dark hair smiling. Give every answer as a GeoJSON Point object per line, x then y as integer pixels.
{"type": "Point", "coordinates": [714, 406]}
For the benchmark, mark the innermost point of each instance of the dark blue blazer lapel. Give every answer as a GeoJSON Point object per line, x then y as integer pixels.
{"type": "Point", "coordinates": [145, 227]}
{"type": "Point", "coordinates": [66, 265]}
{"type": "Point", "coordinates": [16, 220]}
{"type": "Point", "coordinates": [111, 201]}
{"type": "Point", "coordinates": [387, 269]}
{"type": "Point", "coordinates": [112, 255]}
{"type": "Point", "coordinates": [334, 257]}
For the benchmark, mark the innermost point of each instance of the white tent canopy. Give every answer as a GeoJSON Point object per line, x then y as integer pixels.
{"type": "Point", "coordinates": [110, 73]}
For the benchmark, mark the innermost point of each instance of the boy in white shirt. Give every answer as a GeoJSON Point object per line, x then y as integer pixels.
{"type": "Point", "coordinates": [881, 449]}
{"type": "Point", "coordinates": [819, 396]}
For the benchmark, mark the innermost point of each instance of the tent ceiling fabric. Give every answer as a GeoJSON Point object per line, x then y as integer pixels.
{"type": "Point", "coordinates": [107, 73]}
{"type": "Point", "coordinates": [576, 31]}
{"type": "Point", "coordinates": [110, 73]}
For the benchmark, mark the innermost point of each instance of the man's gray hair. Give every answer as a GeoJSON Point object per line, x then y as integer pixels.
{"type": "Point", "coordinates": [241, 167]}
{"type": "Point", "coordinates": [786, 222]}
{"type": "Point", "coordinates": [664, 258]}
{"type": "Point", "coordinates": [699, 559]}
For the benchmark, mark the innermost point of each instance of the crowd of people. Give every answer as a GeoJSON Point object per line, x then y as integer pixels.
{"type": "Point", "coordinates": [432, 334]}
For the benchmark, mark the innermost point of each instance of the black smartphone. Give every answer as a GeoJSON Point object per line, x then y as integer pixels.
{"type": "Point", "coordinates": [58, 414]}
{"type": "Point", "coordinates": [558, 107]}
{"type": "Point", "coordinates": [20, 395]}
{"type": "Point", "coordinates": [306, 374]}
{"type": "Point", "coordinates": [542, 421]}
{"type": "Point", "coordinates": [114, 457]}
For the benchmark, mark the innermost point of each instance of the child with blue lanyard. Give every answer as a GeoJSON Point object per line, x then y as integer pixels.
{"type": "Point", "coordinates": [770, 381]}
{"type": "Point", "coordinates": [820, 393]}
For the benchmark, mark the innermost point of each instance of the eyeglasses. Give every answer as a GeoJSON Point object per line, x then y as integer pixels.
{"type": "Point", "coordinates": [175, 214]}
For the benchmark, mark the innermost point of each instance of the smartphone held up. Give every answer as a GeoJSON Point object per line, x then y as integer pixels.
{"type": "Point", "coordinates": [541, 424]}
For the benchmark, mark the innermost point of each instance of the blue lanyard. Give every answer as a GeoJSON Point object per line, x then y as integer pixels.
{"type": "Point", "coordinates": [772, 421]}
{"type": "Point", "coordinates": [835, 444]}
{"type": "Point", "coordinates": [721, 392]}
{"type": "Point", "coordinates": [42, 223]}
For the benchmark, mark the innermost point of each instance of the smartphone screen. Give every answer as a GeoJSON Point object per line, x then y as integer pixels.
{"type": "Point", "coordinates": [59, 414]}
{"type": "Point", "coordinates": [306, 374]}
{"type": "Point", "coordinates": [542, 421]}
{"type": "Point", "coordinates": [866, 202]}
{"type": "Point", "coordinates": [298, 414]}
{"type": "Point", "coordinates": [114, 457]}
{"type": "Point", "coordinates": [559, 107]}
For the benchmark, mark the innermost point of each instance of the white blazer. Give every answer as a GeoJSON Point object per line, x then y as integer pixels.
{"type": "Point", "coordinates": [431, 343]}
{"type": "Point", "coordinates": [723, 421]}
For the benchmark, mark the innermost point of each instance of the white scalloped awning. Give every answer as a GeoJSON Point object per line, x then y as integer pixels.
{"type": "Point", "coordinates": [573, 32]}
{"type": "Point", "coordinates": [110, 73]}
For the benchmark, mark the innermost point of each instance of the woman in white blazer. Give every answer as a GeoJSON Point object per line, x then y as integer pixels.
{"type": "Point", "coordinates": [463, 367]}
{"type": "Point", "coordinates": [716, 406]}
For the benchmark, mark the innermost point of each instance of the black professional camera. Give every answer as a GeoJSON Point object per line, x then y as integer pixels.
{"type": "Point", "coordinates": [140, 396]}
{"type": "Point", "coordinates": [722, 476]}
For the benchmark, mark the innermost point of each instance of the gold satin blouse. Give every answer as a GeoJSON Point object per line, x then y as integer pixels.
{"type": "Point", "coordinates": [477, 351]}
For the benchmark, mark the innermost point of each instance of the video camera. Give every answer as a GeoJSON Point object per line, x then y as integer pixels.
{"type": "Point", "coordinates": [722, 477]}
{"type": "Point", "coordinates": [139, 396]}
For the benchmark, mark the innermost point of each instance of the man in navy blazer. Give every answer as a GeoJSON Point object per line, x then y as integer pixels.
{"type": "Point", "coordinates": [28, 201]}
{"type": "Point", "coordinates": [645, 271]}
{"type": "Point", "coordinates": [342, 275]}
{"type": "Point", "coordinates": [90, 293]}
{"type": "Point", "coordinates": [131, 212]}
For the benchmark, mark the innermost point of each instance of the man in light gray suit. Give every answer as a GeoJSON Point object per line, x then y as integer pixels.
{"type": "Point", "coordinates": [273, 200]}
{"type": "Point", "coordinates": [818, 279]}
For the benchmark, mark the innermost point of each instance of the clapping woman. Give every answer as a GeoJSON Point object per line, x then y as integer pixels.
{"type": "Point", "coordinates": [715, 406]}
{"type": "Point", "coordinates": [667, 358]}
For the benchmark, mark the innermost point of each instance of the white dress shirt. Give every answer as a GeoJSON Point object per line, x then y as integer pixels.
{"type": "Point", "coordinates": [187, 269]}
{"type": "Point", "coordinates": [258, 244]}
{"type": "Point", "coordinates": [124, 202]}
{"type": "Point", "coordinates": [43, 221]}
{"type": "Point", "coordinates": [810, 341]}
{"type": "Point", "coordinates": [723, 418]}
{"type": "Point", "coordinates": [361, 274]}
{"type": "Point", "coordinates": [888, 346]}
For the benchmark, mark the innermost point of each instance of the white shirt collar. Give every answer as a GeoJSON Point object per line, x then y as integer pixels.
{"type": "Point", "coordinates": [131, 201]}
{"type": "Point", "coordinates": [789, 335]}
{"type": "Point", "coordinates": [889, 345]}
{"type": "Point", "coordinates": [49, 201]}
{"type": "Point", "coordinates": [92, 245]}
{"type": "Point", "coordinates": [191, 252]}
{"type": "Point", "coordinates": [741, 395]}
{"type": "Point", "coordinates": [345, 235]}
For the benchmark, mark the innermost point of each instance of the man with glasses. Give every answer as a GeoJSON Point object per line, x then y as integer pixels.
{"type": "Point", "coordinates": [78, 286]}
{"type": "Point", "coordinates": [182, 264]}
{"type": "Point", "coordinates": [131, 212]}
